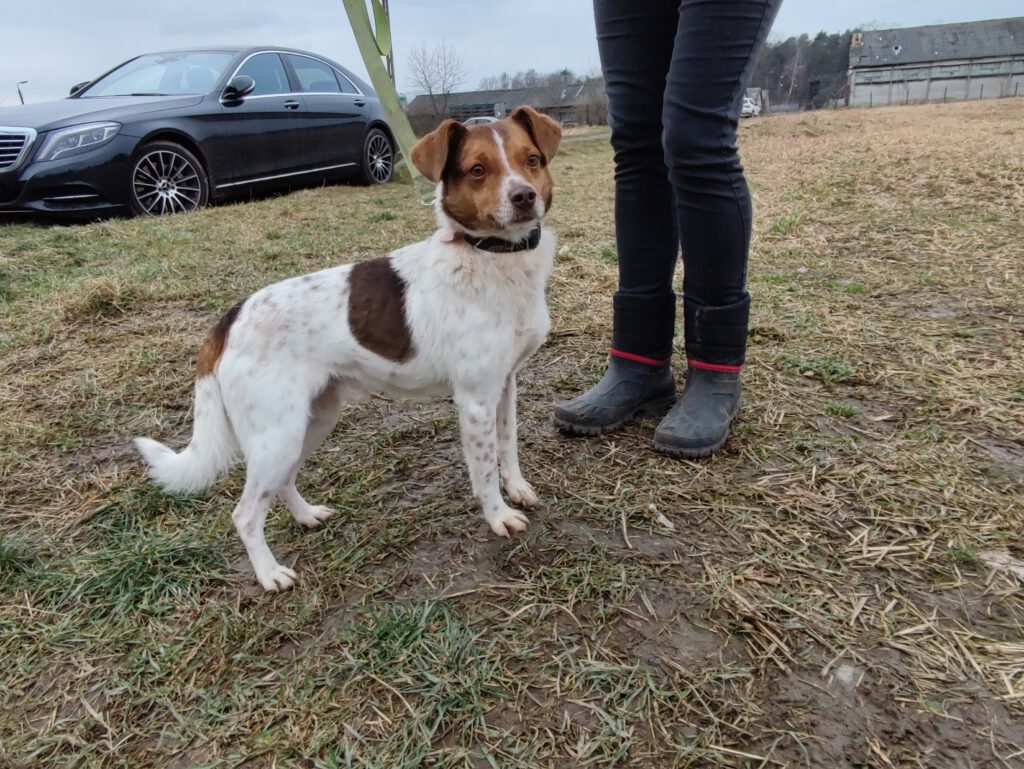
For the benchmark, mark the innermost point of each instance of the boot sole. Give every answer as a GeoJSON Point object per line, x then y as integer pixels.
{"type": "Point", "coordinates": [653, 407]}
{"type": "Point", "coordinates": [696, 452]}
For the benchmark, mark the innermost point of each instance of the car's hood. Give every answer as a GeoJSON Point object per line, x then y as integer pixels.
{"type": "Point", "coordinates": [56, 114]}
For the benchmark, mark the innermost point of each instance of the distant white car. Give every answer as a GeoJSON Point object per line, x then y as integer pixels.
{"type": "Point", "coordinates": [480, 120]}
{"type": "Point", "coordinates": [750, 107]}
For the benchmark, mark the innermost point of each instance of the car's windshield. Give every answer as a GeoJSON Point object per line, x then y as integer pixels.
{"type": "Point", "coordinates": [163, 74]}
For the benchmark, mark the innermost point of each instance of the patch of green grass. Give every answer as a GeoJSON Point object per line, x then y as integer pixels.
{"type": "Point", "coordinates": [609, 255]}
{"type": "Point", "coordinates": [965, 555]}
{"type": "Point", "coordinates": [933, 706]}
{"type": "Point", "coordinates": [928, 433]}
{"type": "Point", "coordinates": [384, 216]}
{"type": "Point", "coordinates": [810, 444]}
{"type": "Point", "coordinates": [779, 279]}
{"type": "Point", "coordinates": [844, 410]}
{"type": "Point", "coordinates": [828, 368]}
{"type": "Point", "coordinates": [422, 652]}
{"type": "Point", "coordinates": [6, 286]}
{"type": "Point", "coordinates": [16, 558]}
{"type": "Point", "coordinates": [148, 572]}
{"type": "Point", "coordinates": [787, 224]}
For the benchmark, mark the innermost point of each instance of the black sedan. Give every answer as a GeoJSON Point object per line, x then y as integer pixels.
{"type": "Point", "coordinates": [167, 132]}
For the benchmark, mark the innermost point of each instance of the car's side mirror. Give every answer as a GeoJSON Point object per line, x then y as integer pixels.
{"type": "Point", "coordinates": [240, 86]}
{"type": "Point", "coordinates": [78, 87]}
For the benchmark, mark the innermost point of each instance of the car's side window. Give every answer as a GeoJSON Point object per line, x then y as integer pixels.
{"type": "Point", "coordinates": [347, 85]}
{"type": "Point", "coordinates": [267, 70]}
{"type": "Point", "coordinates": [314, 75]}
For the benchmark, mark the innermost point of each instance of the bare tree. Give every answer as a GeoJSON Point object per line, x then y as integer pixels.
{"type": "Point", "coordinates": [561, 77]}
{"type": "Point", "coordinates": [437, 73]}
{"type": "Point", "coordinates": [592, 103]}
{"type": "Point", "coordinates": [528, 79]}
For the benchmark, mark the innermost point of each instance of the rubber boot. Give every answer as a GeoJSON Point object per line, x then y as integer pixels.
{"type": "Point", "coordinates": [627, 389]}
{"type": "Point", "coordinates": [716, 341]}
{"type": "Point", "coordinates": [698, 424]}
{"type": "Point", "coordinates": [638, 379]}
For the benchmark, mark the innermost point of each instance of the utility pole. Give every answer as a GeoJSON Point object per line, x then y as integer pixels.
{"type": "Point", "coordinates": [20, 84]}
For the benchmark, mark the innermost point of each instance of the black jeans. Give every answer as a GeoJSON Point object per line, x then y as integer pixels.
{"type": "Point", "coordinates": [675, 73]}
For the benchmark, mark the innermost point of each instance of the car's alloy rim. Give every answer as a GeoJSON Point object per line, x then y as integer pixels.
{"type": "Point", "coordinates": [166, 182]}
{"type": "Point", "coordinates": [379, 155]}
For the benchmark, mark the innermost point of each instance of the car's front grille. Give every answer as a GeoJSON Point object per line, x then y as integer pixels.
{"type": "Point", "coordinates": [14, 144]}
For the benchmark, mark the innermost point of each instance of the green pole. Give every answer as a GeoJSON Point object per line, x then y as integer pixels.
{"type": "Point", "coordinates": [375, 42]}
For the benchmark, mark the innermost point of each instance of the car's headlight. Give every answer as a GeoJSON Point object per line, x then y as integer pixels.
{"type": "Point", "coordinates": [76, 139]}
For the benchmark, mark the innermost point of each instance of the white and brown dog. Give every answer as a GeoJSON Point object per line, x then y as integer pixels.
{"type": "Point", "coordinates": [457, 314]}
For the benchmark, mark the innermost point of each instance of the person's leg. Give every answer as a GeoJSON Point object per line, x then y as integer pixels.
{"type": "Point", "coordinates": [716, 47]}
{"type": "Point", "coordinates": [635, 43]}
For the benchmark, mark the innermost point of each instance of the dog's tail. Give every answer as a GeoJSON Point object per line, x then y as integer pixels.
{"type": "Point", "coordinates": [210, 452]}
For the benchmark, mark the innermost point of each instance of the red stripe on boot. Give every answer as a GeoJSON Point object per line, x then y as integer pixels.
{"type": "Point", "coordinates": [637, 358]}
{"type": "Point", "coordinates": [714, 366]}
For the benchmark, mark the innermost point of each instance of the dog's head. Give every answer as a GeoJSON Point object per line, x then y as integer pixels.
{"type": "Point", "coordinates": [494, 178]}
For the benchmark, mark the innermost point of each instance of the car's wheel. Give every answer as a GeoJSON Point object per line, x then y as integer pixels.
{"type": "Point", "coordinates": [378, 158]}
{"type": "Point", "coordinates": [165, 179]}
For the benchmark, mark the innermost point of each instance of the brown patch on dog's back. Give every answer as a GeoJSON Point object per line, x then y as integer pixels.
{"type": "Point", "coordinates": [216, 340]}
{"type": "Point", "coordinates": [376, 310]}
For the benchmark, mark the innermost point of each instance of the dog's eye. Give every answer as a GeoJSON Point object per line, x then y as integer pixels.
{"type": "Point", "coordinates": [533, 161]}
{"type": "Point", "coordinates": [478, 170]}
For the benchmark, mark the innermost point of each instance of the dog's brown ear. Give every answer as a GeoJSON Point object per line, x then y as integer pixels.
{"type": "Point", "coordinates": [545, 132]}
{"type": "Point", "coordinates": [430, 153]}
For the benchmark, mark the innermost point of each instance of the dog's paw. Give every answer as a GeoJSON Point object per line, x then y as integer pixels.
{"type": "Point", "coordinates": [521, 493]}
{"type": "Point", "coordinates": [314, 516]}
{"type": "Point", "coordinates": [507, 522]}
{"type": "Point", "coordinates": [276, 578]}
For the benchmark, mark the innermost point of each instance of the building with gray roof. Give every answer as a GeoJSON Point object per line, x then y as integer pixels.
{"type": "Point", "coordinates": [568, 103]}
{"type": "Point", "coordinates": [939, 62]}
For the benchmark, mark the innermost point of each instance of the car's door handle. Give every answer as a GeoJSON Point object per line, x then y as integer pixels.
{"type": "Point", "coordinates": [291, 104]}
{"type": "Point", "coordinates": [359, 103]}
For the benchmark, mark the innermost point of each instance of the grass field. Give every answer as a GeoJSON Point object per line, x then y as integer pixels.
{"type": "Point", "coordinates": [839, 588]}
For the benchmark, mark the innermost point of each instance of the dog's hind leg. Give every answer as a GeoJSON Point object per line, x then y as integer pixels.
{"type": "Point", "coordinates": [269, 417]}
{"type": "Point", "coordinates": [267, 471]}
{"type": "Point", "coordinates": [323, 416]}
{"type": "Point", "coordinates": [519, 491]}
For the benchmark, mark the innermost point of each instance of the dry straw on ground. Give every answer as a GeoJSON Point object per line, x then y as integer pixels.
{"type": "Point", "coordinates": [834, 590]}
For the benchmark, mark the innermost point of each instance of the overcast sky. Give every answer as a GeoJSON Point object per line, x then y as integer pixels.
{"type": "Point", "coordinates": [55, 44]}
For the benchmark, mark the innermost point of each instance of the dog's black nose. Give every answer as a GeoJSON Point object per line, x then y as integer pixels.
{"type": "Point", "coordinates": [522, 196]}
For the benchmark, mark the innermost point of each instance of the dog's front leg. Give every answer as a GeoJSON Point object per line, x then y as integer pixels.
{"type": "Point", "coordinates": [478, 428]}
{"type": "Point", "coordinates": [519, 491]}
